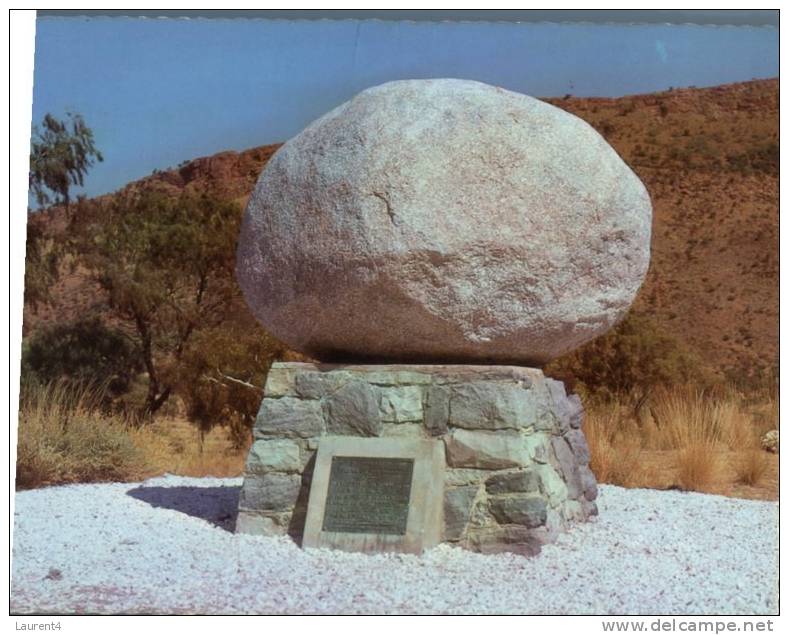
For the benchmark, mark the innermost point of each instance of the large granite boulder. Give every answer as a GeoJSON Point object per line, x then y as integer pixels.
{"type": "Point", "coordinates": [444, 220]}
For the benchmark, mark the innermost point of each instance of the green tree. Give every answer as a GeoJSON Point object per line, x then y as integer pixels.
{"type": "Point", "coordinates": [60, 154]}
{"type": "Point", "coordinates": [224, 373]}
{"type": "Point", "coordinates": [167, 268]}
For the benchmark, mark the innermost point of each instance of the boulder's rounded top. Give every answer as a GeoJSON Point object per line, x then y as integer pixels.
{"type": "Point", "coordinates": [444, 220]}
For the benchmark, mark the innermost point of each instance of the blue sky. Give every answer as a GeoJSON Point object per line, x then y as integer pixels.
{"type": "Point", "coordinates": [159, 91]}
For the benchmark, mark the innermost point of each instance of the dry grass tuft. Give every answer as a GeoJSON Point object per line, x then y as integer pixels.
{"type": "Point", "coordinates": [697, 466]}
{"type": "Point", "coordinates": [614, 447]}
{"type": "Point", "coordinates": [752, 466]}
{"type": "Point", "coordinates": [627, 470]}
{"type": "Point", "coordinates": [685, 417]}
{"type": "Point", "coordinates": [65, 438]}
{"type": "Point", "coordinates": [176, 446]}
{"type": "Point", "coordinates": [686, 435]}
{"type": "Point", "coordinates": [601, 451]}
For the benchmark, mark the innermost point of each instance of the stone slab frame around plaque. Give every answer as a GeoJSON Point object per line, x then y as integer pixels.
{"type": "Point", "coordinates": [373, 495]}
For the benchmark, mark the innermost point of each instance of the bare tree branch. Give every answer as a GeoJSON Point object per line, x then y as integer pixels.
{"type": "Point", "coordinates": [240, 382]}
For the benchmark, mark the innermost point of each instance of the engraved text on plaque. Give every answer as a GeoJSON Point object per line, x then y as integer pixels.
{"type": "Point", "coordinates": [368, 495]}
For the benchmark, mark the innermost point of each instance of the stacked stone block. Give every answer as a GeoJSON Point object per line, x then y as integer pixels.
{"type": "Point", "coordinates": [517, 461]}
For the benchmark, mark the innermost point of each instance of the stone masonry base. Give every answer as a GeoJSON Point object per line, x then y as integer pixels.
{"type": "Point", "coordinates": [516, 459]}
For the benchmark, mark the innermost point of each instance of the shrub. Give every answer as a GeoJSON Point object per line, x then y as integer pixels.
{"type": "Point", "coordinates": [763, 158]}
{"type": "Point", "coordinates": [635, 357]}
{"type": "Point", "coordinates": [626, 108]}
{"type": "Point", "coordinates": [606, 128]}
{"type": "Point", "coordinates": [42, 258]}
{"type": "Point", "coordinates": [82, 352]}
{"type": "Point", "coordinates": [223, 374]}
{"type": "Point", "coordinates": [761, 383]}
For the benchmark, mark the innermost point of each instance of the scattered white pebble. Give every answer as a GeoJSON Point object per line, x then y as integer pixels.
{"type": "Point", "coordinates": [163, 546]}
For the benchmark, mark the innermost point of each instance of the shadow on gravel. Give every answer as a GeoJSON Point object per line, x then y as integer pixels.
{"type": "Point", "coordinates": [217, 505]}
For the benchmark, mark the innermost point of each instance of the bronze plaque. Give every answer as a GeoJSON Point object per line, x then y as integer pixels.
{"type": "Point", "coordinates": [368, 495]}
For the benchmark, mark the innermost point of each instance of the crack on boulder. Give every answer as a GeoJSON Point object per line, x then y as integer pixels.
{"type": "Point", "coordinates": [388, 205]}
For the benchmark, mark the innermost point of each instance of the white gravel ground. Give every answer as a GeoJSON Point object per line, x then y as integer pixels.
{"type": "Point", "coordinates": [162, 546]}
